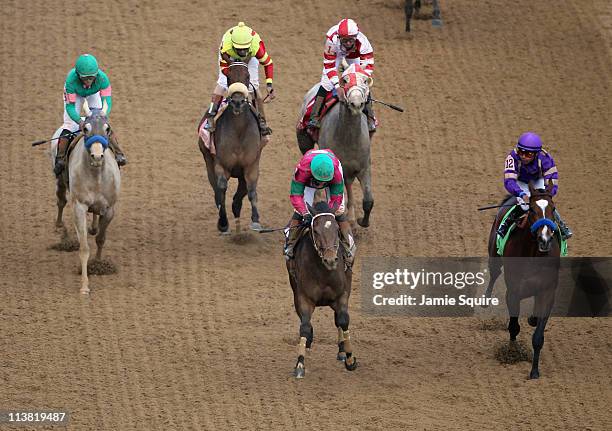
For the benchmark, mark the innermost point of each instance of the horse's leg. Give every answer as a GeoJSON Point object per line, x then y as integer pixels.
{"type": "Point", "coordinates": [365, 181]}
{"type": "Point", "coordinates": [350, 202]}
{"type": "Point", "coordinates": [408, 12]}
{"type": "Point", "coordinates": [220, 190]}
{"type": "Point", "coordinates": [251, 175]}
{"type": "Point", "coordinates": [304, 309]}
{"type": "Point", "coordinates": [341, 319]}
{"type": "Point", "coordinates": [537, 342]}
{"type": "Point", "coordinates": [60, 193]}
{"type": "Point", "coordinates": [105, 220]}
{"type": "Point", "coordinates": [436, 9]}
{"type": "Point", "coordinates": [513, 303]}
{"type": "Point", "coordinates": [80, 224]}
{"type": "Point", "coordinates": [237, 201]}
{"type": "Point", "coordinates": [93, 230]}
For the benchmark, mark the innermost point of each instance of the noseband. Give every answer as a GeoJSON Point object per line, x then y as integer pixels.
{"type": "Point", "coordinates": [322, 250]}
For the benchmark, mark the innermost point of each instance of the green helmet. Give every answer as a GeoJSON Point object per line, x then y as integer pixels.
{"type": "Point", "coordinates": [86, 65]}
{"type": "Point", "coordinates": [322, 167]}
{"type": "Point", "coordinates": [242, 36]}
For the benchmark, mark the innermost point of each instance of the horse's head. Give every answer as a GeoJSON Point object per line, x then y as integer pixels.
{"type": "Point", "coordinates": [95, 133]}
{"type": "Point", "coordinates": [324, 234]}
{"type": "Point", "coordinates": [540, 216]}
{"type": "Point", "coordinates": [357, 85]}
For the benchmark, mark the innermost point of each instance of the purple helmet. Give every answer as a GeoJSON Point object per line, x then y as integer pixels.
{"type": "Point", "coordinates": [529, 142]}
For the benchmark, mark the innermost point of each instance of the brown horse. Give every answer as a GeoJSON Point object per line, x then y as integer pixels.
{"type": "Point", "coordinates": [238, 150]}
{"type": "Point", "coordinates": [534, 237]}
{"type": "Point", "coordinates": [319, 278]}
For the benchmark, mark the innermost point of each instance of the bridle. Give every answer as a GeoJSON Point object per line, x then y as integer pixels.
{"type": "Point", "coordinates": [321, 250]}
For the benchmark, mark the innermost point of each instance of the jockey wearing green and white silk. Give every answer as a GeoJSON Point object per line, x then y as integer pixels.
{"type": "Point", "coordinates": [84, 82]}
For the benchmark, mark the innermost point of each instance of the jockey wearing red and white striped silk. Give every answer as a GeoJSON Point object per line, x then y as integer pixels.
{"type": "Point", "coordinates": [343, 41]}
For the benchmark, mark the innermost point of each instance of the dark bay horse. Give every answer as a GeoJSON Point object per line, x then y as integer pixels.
{"type": "Point", "coordinates": [344, 130]}
{"type": "Point", "coordinates": [319, 278]}
{"type": "Point", "coordinates": [534, 237]}
{"type": "Point", "coordinates": [238, 150]}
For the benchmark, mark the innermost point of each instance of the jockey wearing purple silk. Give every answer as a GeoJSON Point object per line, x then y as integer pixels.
{"type": "Point", "coordinates": [318, 169]}
{"type": "Point", "coordinates": [529, 163]}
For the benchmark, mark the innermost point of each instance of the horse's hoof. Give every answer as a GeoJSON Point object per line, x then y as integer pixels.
{"type": "Point", "coordinates": [224, 230]}
{"type": "Point", "coordinates": [299, 372]}
{"type": "Point", "coordinates": [363, 223]}
{"type": "Point", "coordinates": [534, 374]}
{"type": "Point", "coordinates": [533, 321]}
{"type": "Point", "coordinates": [92, 231]}
{"type": "Point", "coordinates": [437, 23]}
{"type": "Point", "coordinates": [256, 226]}
{"type": "Point", "coordinates": [84, 291]}
{"type": "Point", "coordinates": [341, 356]}
{"type": "Point", "coordinates": [350, 363]}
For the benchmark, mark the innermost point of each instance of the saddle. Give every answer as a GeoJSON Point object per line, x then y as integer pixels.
{"type": "Point", "coordinates": [330, 100]}
{"type": "Point", "coordinates": [500, 242]}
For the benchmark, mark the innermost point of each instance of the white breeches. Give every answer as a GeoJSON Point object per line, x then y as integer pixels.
{"type": "Point", "coordinates": [94, 101]}
{"type": "Point", "coordinates": [538, 184]}
{"type": "Point", "coordinates": [253, 65]}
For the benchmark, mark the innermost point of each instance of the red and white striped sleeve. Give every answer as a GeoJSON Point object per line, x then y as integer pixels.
{"type": "Point", "coordinates": [329, 59]}
{"type": "Point", "coordinates": [366, 54]}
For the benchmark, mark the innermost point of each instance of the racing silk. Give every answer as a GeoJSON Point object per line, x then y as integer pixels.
{"type": "Point", "coordinates": [334, 53]}
{"type": "Point", "coordinates": [302, 178]}
{"type": "Point", "coordinates": [257, 50]}
{"type": "Point", "coordinates": [73, 87]}
{"type": "Point", "coordinates": [542, 166]}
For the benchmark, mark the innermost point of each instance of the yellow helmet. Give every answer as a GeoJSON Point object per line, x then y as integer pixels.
{"type": "Point", "coordinates": [242, 36]}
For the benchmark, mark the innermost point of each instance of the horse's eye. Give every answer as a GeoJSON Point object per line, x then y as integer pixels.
{"type": "Point", "coordinates": [105, 127]}
{"type": "Point", "coordinates": [88, 127]}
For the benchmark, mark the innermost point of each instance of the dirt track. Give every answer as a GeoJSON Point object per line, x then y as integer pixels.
{"type": "Point", "coordinates": [197, 331]}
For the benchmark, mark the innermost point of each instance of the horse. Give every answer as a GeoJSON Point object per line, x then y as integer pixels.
{"type": "Point", "coordinates": [238, 150]}
{"type": "Point", "coordinates": [410, 5]}
{"type": "Point", "coordinates": [94, 182]}
{"type": "Point", "coordinates": [318, 277]}
{"type": "Point", "coordinates": [344, 130]}
{"type": "Point", "coordinates": [534, 237]}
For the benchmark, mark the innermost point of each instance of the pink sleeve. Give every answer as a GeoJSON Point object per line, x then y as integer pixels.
{"type": "Point", "coordinates": [298, 203]}
{"type": "Point", "coordinates": [105, 91]}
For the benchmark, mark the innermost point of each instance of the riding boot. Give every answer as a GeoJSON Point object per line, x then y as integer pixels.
{"type": "Point", "coordinates": [346, 239]}
{"type": "Point", "coordinates": [291, 238]}
{"type": "Point", "coordinates": [114, 145]}
{"type": "Point", "coordinates": [515, 214]}
{"type": "Point", "coordinates": [566, 232]}
{"type": "Point", "coordinates": [62, 146]}
{"type": "Point", "coordinates": [369, 111]}
{"type": "Point", "coordinates": [316, 112]}
{"type": "Point", "coordinates": [212, 111]}
{"type": "Point", "coordinates": [263, 126]}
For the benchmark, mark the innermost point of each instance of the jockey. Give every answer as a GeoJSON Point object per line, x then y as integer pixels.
{"type": "Point", "coordinates": [241, 43]}
{"type": "Point", "coordinates": [318, 169]}
{"type": "Point", "coordinates": [529, 162]}
{"type": "Point", "coordinates": [84, 82]}
{"type": "Point", "coordinates": [343, 41]}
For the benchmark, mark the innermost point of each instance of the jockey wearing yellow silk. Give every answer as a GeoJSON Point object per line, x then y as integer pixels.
{"type": "Point", "coordinates": [241, 43]}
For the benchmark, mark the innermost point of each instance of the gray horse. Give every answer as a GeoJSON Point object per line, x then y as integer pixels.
{"type": "Point", "coordinates": [238, 149]}
{"type": "Point", "coordinates": [344, 130]}
{"type": "Point", "coordinates": [94, 184]}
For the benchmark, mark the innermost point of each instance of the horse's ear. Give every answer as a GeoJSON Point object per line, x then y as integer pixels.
{"type": "Point", "coordinates": [310, 209]}
{"type": "Point", "coordinates": [104, 106]}
{"type": "Point", "coordinates": [343, 66]}
{"type": "Point", "coordinates": [86, 109]}
{"type": "Point", "coordinates": [549, 185]}
{"type": "Point", "coordinates": [370, 81]}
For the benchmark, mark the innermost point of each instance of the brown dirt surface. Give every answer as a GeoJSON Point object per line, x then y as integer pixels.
{"type": "Point", "coordinates": [197, 330]}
